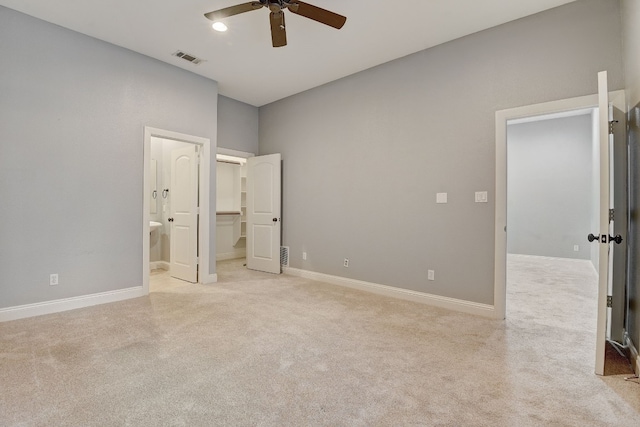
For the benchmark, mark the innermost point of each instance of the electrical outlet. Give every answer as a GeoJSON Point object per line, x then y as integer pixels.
{"type": "Point", "coordinates": [346, 262]}
{"type": "Point", "coordinates": [576, 248]}
{"type": "Point", "coordinates": [481, 197]}
{"type": "Point", "coordinates": [53, 279]}
{"type": "Point", "coordinates": [304, 256]}
{"type": "Point", "coordinates": [431, 275]}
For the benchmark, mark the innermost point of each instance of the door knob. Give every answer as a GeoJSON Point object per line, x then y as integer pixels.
{"type": "Point", "coordinates": [275, 219]}
{"type": "Point", "coordinates": [170, 219]}
{"type": "Point", "coordinates": [604, 237]}
{"type": "Point", "coordinates": [617, 239]}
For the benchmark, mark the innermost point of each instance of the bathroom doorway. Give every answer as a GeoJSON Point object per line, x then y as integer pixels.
{"type": "Point", "coordinates": [172, 155]}
{"type": "Point", "coordinates": [174, 205]}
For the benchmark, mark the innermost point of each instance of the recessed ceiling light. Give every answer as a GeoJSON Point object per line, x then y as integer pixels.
{"type": "Point", "coordinates": [219, 26]}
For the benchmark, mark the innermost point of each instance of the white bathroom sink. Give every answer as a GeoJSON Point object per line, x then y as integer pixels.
{"type": "Point", "coordinates": [153, 225]}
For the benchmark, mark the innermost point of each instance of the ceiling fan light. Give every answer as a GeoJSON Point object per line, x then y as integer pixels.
{"type": "Point", "coordinates": [219, 26]}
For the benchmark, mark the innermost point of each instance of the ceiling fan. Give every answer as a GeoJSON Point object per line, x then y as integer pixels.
{"type": "Point", "coordinates": [277, 7]}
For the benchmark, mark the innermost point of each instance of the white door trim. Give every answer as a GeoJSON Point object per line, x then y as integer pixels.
{"type": "Point", "coordinates": [502, 116]}
{"type": "Point", "coordinates": [204, 275]}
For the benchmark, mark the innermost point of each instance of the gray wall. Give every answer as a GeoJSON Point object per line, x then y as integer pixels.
{"type": "Point", "coordinates": [72, 117]}
{"type": "Point", "coordinates": [237, 125]}
{"type": "Point", "coordinates": [631, 31]}
{"type": "Point", "coordinates": [550, 189]}
{"type": "Point", "coordinates": [364, 156]}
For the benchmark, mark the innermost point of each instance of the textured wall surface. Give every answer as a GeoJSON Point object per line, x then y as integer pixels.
{"type": "Point", "coordinates": [364, 156]}
{"type": "Point", "coordinates": [550, 189]}
{"type": "Point", "coordinates": [237, 125]}
{"type": "Point", "coordinates": [72, 117]}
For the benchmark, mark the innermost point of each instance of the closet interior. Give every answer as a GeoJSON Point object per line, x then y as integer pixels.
{"type": "Point", "coordinates": [231, 207]}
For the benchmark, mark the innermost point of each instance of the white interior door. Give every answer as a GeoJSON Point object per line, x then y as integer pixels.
{"type": "Point", "coordinates": [620, 203]}
{"type": "Point", "coordinates": [184, 214]}
{"type": "Point", "coordinates": [263, 213]}
{"type": "Point", "coordinates": [602, 239]}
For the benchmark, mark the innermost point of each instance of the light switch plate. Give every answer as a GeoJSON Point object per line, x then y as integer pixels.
{"type": "Point", "coordinates": [441, 197]}
{"type": "Point", "coordinates": [481, 197]}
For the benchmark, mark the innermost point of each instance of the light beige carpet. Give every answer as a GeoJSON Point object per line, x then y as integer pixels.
{"type": "Point", "coordinates": [257, 349]}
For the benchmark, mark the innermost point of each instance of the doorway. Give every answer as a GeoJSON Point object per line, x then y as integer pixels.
{"type": "Point", "coordinates": [248, 209]}
{"type": "Point", "coordinates": [174, 205]}
{"type": "Point", "coordinates": [553, 201]}
{"type": "Point", "coordinates": [553, 185]}
{"type": "Point", "coordinates": [503, 117]}
{"type": "Point", "coordinates": [501, 236]}
{"type": "Point", "coordinates": [199, 254]}
{"type": "Point", "coordinates": [231, 212]}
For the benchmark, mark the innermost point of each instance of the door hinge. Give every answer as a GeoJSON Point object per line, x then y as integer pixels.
{"type": "Point", "coordinates": [611, 123]}
{"type": "Point", "coordinates": [197, 260]}
{"type": "Point", "coordinates": [609, 301]}
{"type": "Point", "coordinates": [198, 210]}
{"type": "Point", "coordinates": [612, 214]}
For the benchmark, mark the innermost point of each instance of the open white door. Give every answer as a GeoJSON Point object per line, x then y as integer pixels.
{"type": "Point", "coordinates": [608, 272]}
{"type": "Point", "coordinates": [620, 224]}
{"type": "Point", "coordinates": [184, 214]}
{"type": "Point", "coordinates": [263, 213]}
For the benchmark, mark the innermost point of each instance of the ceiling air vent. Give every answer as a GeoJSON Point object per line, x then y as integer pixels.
{"type": "Point", "coordinates": [187, 57]}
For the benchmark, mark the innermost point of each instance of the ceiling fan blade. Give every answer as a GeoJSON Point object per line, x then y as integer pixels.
{"type": "Point", "coordinates": [278, 31]}
{"type": "Point", "coordinates": [217, 15]}
{"type": "Point", "coordinates": [317, 14]}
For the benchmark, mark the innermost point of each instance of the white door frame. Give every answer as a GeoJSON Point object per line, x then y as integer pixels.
{"type": "Point", "coordinates": [204, 275]}
{"type": "Point", "coordinates": [502, 117]}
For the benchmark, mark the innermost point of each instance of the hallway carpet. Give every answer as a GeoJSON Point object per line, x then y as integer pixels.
{"type": "Point", "coordinates": [263, 350]}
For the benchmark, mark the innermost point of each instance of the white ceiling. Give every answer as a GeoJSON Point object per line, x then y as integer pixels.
{"type": "Point", "coordinates": [242, 60]}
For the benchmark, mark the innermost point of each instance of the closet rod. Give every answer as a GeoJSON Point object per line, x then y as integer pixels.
{"type": "Point", "coordinates": [229, 161]}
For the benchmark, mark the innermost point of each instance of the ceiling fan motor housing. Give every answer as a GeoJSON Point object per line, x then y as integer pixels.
{"type": "Point", "coordinates": [276, 5]}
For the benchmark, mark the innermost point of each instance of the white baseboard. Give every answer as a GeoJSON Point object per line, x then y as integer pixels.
{"type": "Point", "coordinates": [56, 306]}
{"type": "Point", "coordinates": [633, 357]}
{"type": "Point", "coordinates": [209, 278]}
{"type": "Point", "coordinates": [237, 253]}
{"type": "Point", "coordinates": [483, 310]}
{"type": "Point", "coordinates": [162, 265]}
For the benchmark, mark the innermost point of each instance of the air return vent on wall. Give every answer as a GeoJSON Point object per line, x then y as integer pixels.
{"type": "Point", "coordinates": [187, 57]}
{"type": "Point", "coordinates": [284, 256]}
